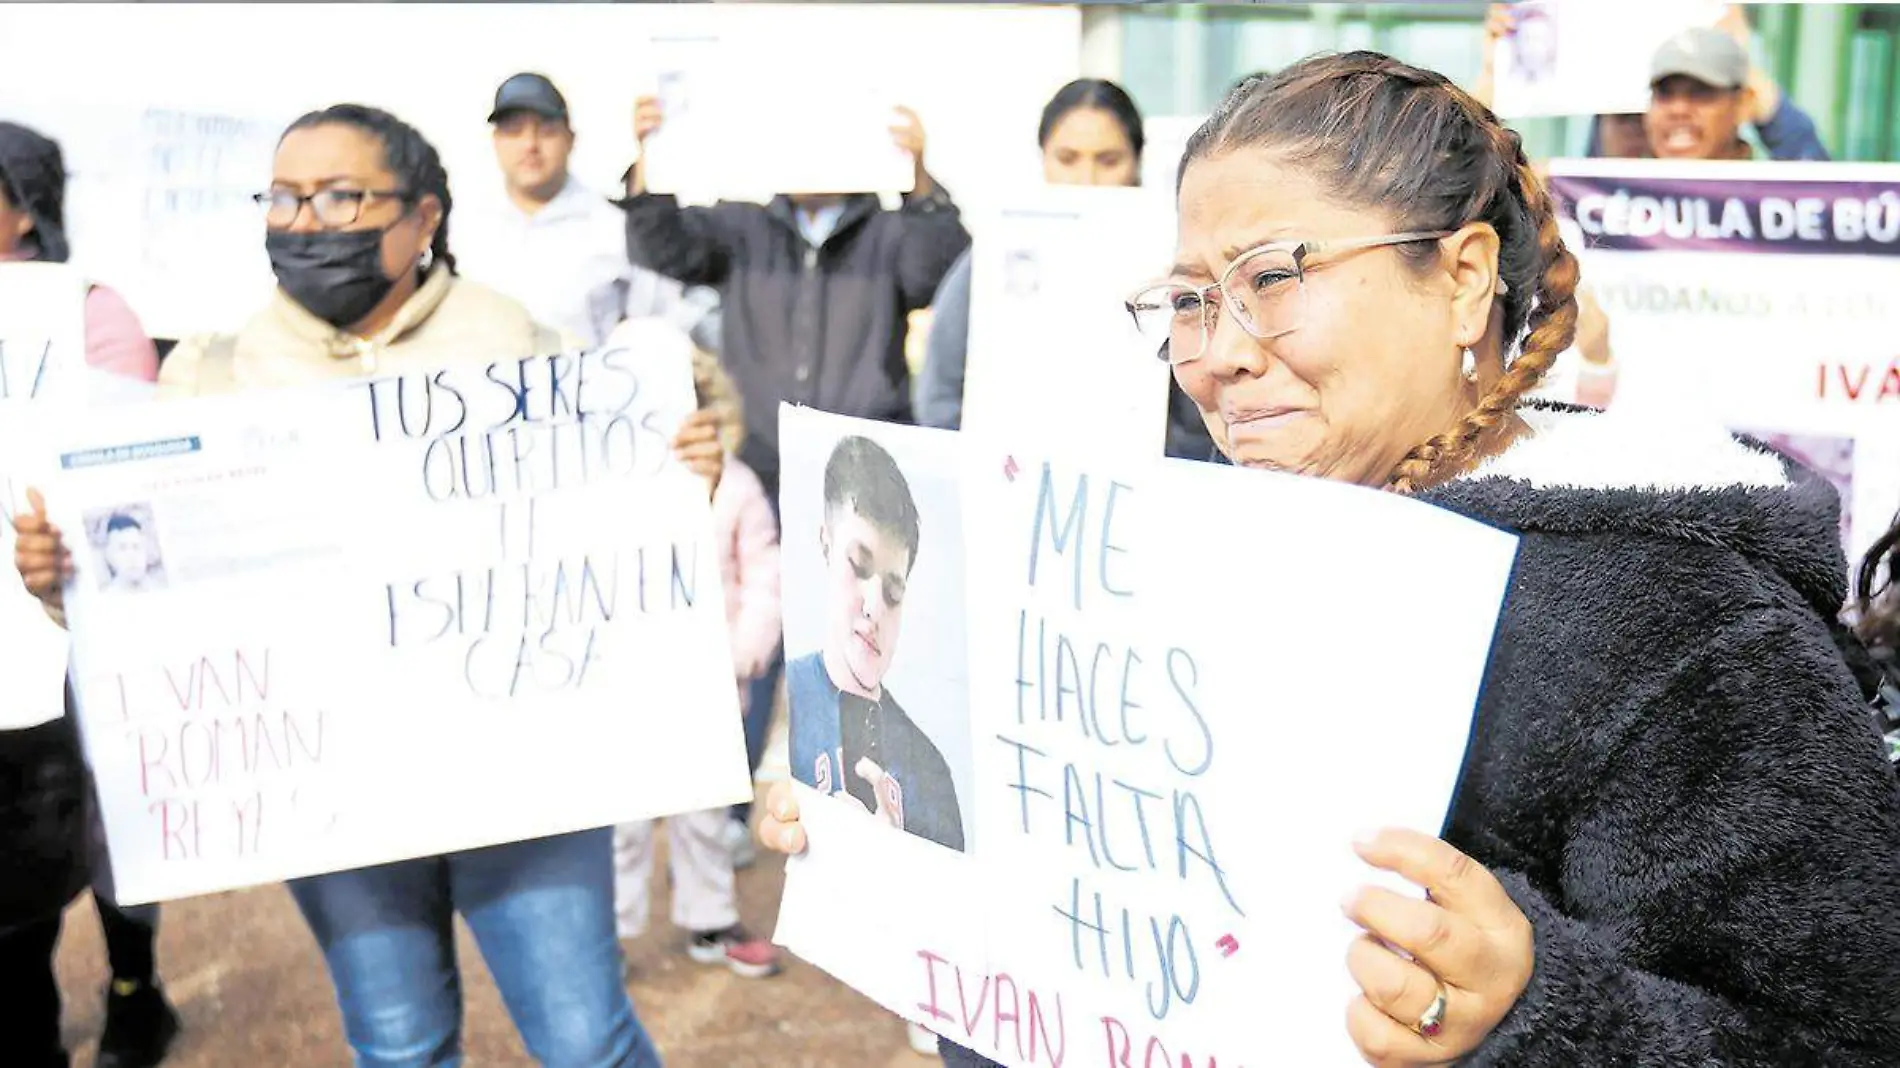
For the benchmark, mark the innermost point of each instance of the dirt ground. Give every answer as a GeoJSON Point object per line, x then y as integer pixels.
{"type": "Point", "coordinates": [245, 974]}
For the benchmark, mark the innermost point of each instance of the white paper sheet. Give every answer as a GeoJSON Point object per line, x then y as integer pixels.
{"type": "Point", "coordinates": [745, 120]}
{"type": "Point", "coordinates": [323, 629]}
{"type": "Point", "coordinates": [1568, 57]}
{"type": "Point", "coordinates": [1053, 353]}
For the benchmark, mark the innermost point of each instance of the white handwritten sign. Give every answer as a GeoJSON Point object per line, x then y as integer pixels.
{"type": "Point", "coordinates": [343, 626]}
{"type": "Point", "coordinates": [42, 361]}
{"type": "Point", "coordinates": [1761, 296]}
{"type": "Point", "coordinates": [1176, 733]}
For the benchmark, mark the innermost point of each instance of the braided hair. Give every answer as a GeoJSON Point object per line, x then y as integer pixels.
{"type": "Point", "coordinates": [407, 155]}
{"type": "Point", "coordinates": [1380, 133]}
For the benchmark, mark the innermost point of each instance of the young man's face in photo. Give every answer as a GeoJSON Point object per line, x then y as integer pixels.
{"type": "Point", "coordinates": [125, 554]}
{"type": "Point", "coordinates": [867, 569]}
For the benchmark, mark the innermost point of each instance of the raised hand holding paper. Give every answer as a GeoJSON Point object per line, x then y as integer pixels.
{"type": "Point", "coordinates": [1162, 661]}
{"type": "Point", "coordinates": [342, 626]}
{"type": "Point", "coordinates": [745, 121]}
{"type": "Point", "coordinates": [1575, 58]}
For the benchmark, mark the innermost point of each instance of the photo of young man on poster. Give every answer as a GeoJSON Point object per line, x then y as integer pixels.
{"type": "Point", "coordinates": [849, 734]}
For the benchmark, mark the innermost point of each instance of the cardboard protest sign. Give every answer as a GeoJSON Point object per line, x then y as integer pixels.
{"type": "Point", "coordinates": [1171, 734]}
{"type": "Point", "coordinates": [335, 627]}
{"type": "Point", "coordinates": [1764, 296]}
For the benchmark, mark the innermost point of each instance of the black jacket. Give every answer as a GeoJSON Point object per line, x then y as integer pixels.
{"type": "Point", "coordinates": [822, 327]}
{"type": "Point", "coordinates": [44, 820]}
{"type": "Point", "coordinates": [1673, 773]}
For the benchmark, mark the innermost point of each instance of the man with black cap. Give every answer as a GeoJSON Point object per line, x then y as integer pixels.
{"type": "Point", "coordinates": [556, 246]}
{"type": "Point", "coordinates": [1703, 89]}
{"type": "Point", "coordinates": [46, 836]}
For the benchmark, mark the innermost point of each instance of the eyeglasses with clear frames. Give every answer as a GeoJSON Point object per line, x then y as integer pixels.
{"type": "Point", "coordinates": [1270, 302]}
{"type": "Point", "coordinates": [334, 208]}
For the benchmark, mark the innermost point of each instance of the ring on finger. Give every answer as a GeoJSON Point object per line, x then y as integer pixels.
{"type": "Point", "coordinates": [1432, 1021]}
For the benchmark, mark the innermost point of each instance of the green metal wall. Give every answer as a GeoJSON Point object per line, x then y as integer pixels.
{"type": "Point", "coordinates": [1840, 62]}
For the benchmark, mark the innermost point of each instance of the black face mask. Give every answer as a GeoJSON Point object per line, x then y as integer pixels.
{"type": "Point", "coordinates": [337, 275]}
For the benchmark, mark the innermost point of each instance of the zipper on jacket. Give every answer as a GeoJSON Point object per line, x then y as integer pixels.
{"type": "Point", "coordinates": [811, 257]}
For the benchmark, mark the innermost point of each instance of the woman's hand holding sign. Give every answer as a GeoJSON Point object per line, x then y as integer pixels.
{"type": "Point", "coordinates": [1470, 948]}
{"type": "Point", "coordinates": [40, 553]}
{"type": "Point", "coordinates": [781, 830]}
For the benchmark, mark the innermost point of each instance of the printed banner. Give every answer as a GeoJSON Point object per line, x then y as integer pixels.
{"type": "Point", "coordinates": [42, 366]}
{"type": "Point", "coordinates": [1765, 296]}
{"type": "Point", "coordinates": [1117, 831]}
{"type": "Point", "coordinates": [330, 628]}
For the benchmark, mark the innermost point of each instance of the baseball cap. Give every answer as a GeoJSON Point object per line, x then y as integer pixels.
{"type": "Point", "coordinates": [529, 92]}
{"type": "Point", "coordinates": [1704, 53]}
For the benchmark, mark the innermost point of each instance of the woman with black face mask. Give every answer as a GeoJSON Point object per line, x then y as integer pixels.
{"type": "Point", "coordinates": [357, 219]}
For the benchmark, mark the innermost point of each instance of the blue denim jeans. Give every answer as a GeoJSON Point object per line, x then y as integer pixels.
{"type": "Point", "coordinates": [761, 698]}
{"type": "Point", "coordinates": [542, 913]}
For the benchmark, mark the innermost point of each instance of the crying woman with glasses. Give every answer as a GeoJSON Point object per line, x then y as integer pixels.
{"type": "Point", "coordinates": [1674, 838]}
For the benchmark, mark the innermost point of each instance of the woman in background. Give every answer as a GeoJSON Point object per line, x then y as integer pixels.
{"type": "Point", "coordinates": [1090, 134]}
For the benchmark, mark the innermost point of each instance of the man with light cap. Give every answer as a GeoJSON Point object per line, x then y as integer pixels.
{"type": "Point", "coordinates": [1703, 89]}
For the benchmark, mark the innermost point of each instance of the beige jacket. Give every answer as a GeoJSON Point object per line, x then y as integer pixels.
{"type": "Point", "coordinates": [448, 321]}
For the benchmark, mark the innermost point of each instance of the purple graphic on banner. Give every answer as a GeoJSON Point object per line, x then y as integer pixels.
{"type": "Point", "coordinates": [1828, 455]}
{"type": "Point", "coordinates": [1800, 217]}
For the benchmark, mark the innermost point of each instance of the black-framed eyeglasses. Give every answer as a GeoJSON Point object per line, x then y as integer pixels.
{"type": "Point", "coordinates": [1269, 302]}
{"type": "Point", "coordinates": [333, 208]}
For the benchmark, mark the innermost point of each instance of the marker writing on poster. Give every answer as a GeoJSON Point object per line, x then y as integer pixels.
{"type": "Point", "coordinates": [994, 1009]}
{"type": "Point", "coordinates": [538, 625]}
{"type": "Point", "coordinates": [220, 760]}
{"type": "Point", "coordinates": [1079, 696]}
{"type": "Point", "coordinates": [523, 427]}
{"type": "Point", "coordinates": [23, 368]}
{"type": "Point", "coordinates": [524, 620]}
